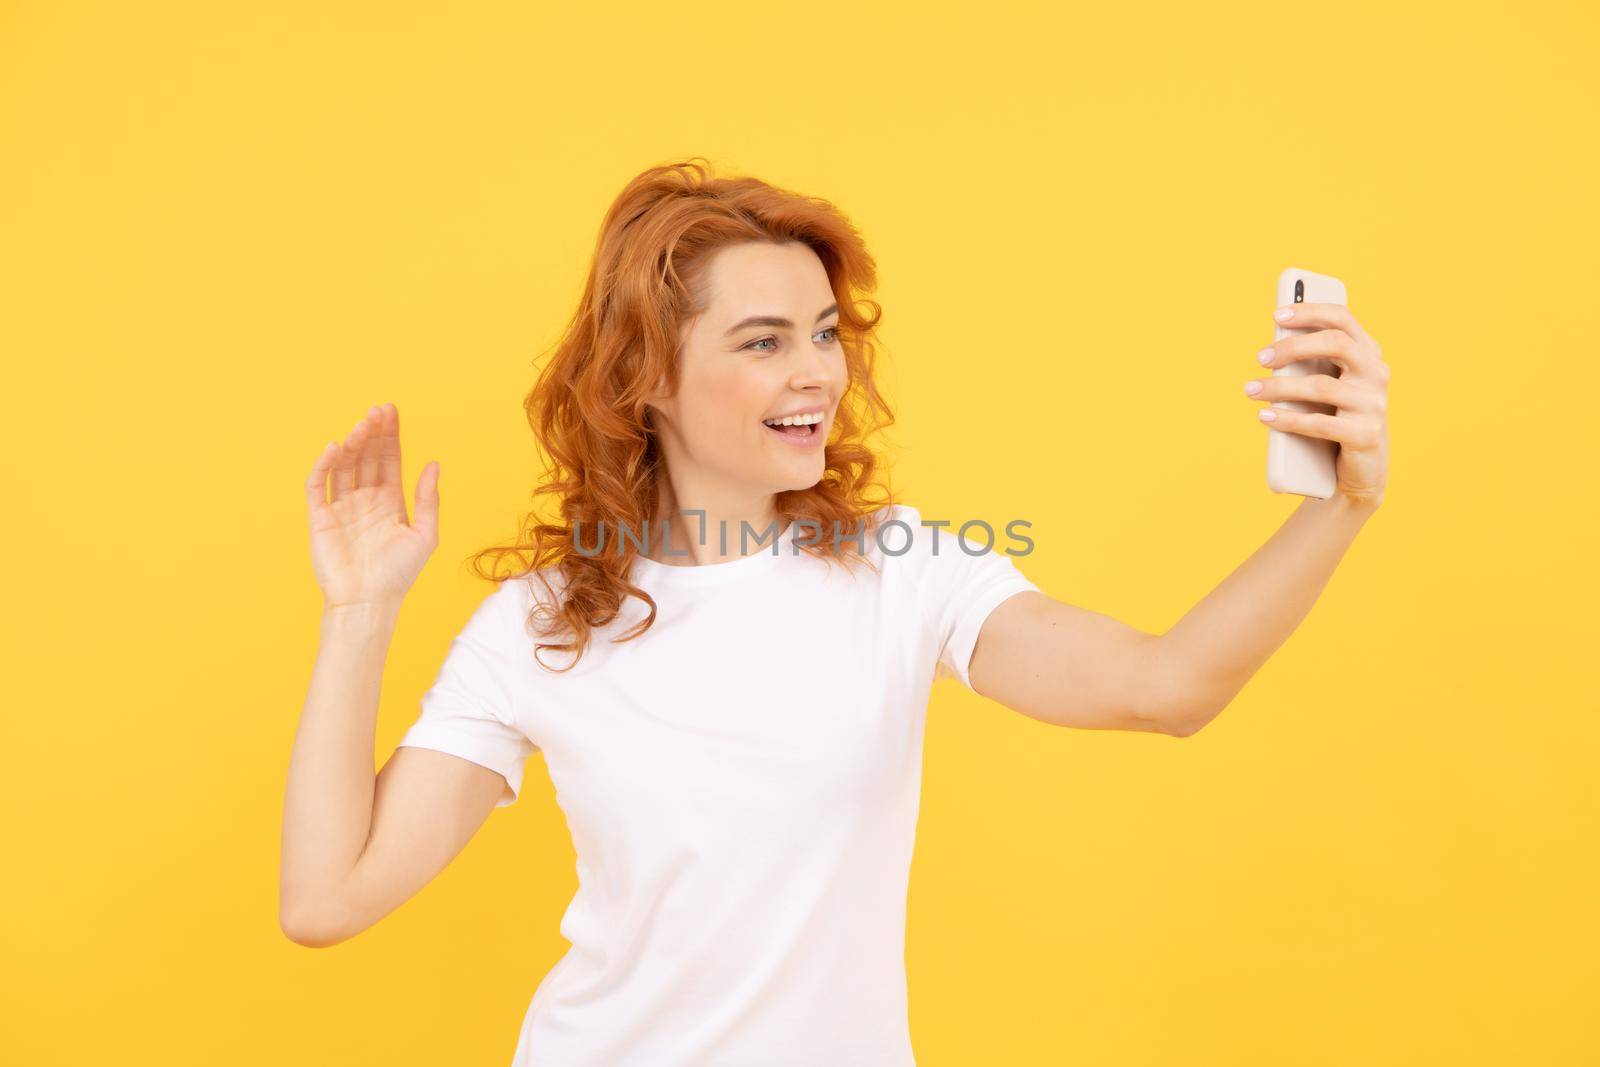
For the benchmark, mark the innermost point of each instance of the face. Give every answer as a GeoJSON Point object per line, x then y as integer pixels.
{"type": "Point", "coordinates": [766, 346]}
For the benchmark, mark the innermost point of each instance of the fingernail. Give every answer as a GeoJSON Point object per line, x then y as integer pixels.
{"type": "Point", "coordinates": [1283, 314]}
{"type": "Point", "coordinates": [1252, 388]}
{"type": "Point", "coordinates": [1265, 355]}
{"type": "Point", "coordinates": [1268, 415]}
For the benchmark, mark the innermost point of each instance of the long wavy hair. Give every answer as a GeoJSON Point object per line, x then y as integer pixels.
{"type": "Point", "coordinates": [588, 412]}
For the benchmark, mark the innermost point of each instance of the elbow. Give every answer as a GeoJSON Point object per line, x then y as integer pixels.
{"type": "Point", "coordinates": [1178, 718]}
{"type": "Point", "coordinates": [1183, 714]}
{"type": "Point", "coordinates": [1187, 718]}
{"type": "Point", "coordinates": [1178, 727]}
{"type": "Point", "coordinates": [1176, 699]}
{"type": "Point", "coordinates": [308, 928]}
{"type": "Point", "coordinates": [300, 929]}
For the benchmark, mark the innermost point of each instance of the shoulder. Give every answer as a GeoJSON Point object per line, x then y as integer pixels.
{"type": "Point", "coordinates": [504, 609]}
{"type": "Point", "coordinates": [522, 593]}
{"type": "Point", "coordinates": [903, 531]}
{"type": "Point", "coordinates": [894, 524]}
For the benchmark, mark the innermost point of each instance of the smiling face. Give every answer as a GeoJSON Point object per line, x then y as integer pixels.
{"type": "Point", "coordinates": [766, 346]}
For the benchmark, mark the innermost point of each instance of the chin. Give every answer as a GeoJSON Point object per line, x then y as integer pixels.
{"type": "Point", "coordinates": [792, 481]}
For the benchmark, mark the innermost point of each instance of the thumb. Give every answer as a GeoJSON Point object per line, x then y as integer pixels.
{"type": "Point", "coordinates": [427, 516]}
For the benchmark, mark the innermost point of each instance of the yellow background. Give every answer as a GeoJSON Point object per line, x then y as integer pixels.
{"type": "Point", "coordinates": [227, 229]}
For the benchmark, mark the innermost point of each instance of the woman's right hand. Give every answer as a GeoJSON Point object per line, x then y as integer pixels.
{"type": "Point", "coordinates": [363, 550]}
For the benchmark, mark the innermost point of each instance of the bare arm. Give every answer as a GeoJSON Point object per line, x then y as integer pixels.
{"type": "Point", "coordinates": [1200, 664]}
{"type": "Point", "coordinates": [328, 804]}
{"type": "Point", "coordinates": [355, 844]}
{"type": "Point", "coordinates": [358, 845]}
{"type": "Point", "coordinates": [1065, 665]}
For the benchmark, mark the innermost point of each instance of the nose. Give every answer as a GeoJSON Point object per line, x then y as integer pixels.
{"type": "Point", "coordinates": [813, 370]}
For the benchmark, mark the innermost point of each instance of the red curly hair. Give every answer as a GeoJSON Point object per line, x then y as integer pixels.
{"type": "Point", "coordinates": [587, 408]}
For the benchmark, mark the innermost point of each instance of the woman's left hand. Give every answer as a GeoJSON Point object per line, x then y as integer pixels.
{"type": "Point", "coordinates": [1359, 395]}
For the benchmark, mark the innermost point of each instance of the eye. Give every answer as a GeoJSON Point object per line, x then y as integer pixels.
{"type": "Point", "coordinates": [764, 340]}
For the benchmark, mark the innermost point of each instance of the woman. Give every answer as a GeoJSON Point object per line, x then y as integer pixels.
{"type": "Point", "coordinates": [732, 713]}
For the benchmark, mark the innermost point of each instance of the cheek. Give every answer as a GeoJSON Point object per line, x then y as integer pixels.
{"type": "Point", "coordinates": [727, 405]}
{"type": "Point", "coordinates": [749, 394]}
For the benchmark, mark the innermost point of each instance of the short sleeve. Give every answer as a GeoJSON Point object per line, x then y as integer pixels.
{"type": "Point", "coordinates": [961, 586]}
{"type": "Point", "coordinates": [468, 711]}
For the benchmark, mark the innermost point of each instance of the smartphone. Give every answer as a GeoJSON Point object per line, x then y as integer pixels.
{"type": "Point", "coordinates": [1296, 463]}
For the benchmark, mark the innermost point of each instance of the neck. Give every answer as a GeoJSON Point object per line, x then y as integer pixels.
{"type": "Point", "coordinates": [698, 538]}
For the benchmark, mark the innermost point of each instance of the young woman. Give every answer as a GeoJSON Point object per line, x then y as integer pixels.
{"type": "Point", "coordinates": [732, 714]}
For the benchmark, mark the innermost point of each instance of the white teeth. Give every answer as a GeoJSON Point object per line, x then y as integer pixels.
{"type": "Point", "coordinates": [796, 420]}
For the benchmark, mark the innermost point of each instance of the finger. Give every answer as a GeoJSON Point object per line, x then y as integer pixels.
{"type": "Point", "coordinates": [317, 480]}
{"type": "Point", "coordinates": [344, 467]}
{"type": "Point", "coordinates": [1353, 358]}
{"type": "Point", "coordinates": [427, 520]}
{"type": "Point", "coordinates": [1349, 394]}
{"type": "Point", "coordinates": [1352, 432]}
{"type": "Point", "coordinates": [390, 450]}
{"type": "Point", "coordinates": [1337, 316]}
{"type": "Point", "coordinates": [370, 466]}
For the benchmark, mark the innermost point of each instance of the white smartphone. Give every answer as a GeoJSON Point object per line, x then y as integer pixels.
{"type": "Point", "coordinates": [1296, 463]}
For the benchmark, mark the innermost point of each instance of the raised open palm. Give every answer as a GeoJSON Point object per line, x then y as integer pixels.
{"type": "Point", "coordinates": [363, 549]}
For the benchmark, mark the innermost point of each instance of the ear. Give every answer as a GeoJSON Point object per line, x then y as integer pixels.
{"type": "Point", "coordinates": [655, 415]}
{"type": "Point", "coordinates": [659, 397]}
{"type": "Point", "coordinates": [660, 400]}
{"type": "Point", "coordinates": [658, 394]}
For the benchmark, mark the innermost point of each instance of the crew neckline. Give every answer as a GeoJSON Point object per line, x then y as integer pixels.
{"type": "Point", "coordinates": [659, 573]}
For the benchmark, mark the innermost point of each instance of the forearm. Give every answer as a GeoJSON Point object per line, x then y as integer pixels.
{"type": "Point", "coordinates": [1207, 657]}
{"type": "Point", "coordinates": [327, 813]}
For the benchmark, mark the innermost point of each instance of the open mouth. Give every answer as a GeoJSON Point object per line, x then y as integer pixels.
{"type": "Point", "coordinates": [794, 433]}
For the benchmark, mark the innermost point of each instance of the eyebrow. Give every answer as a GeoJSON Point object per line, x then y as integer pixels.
{"type": "Point", "coordinates": [774, 320]}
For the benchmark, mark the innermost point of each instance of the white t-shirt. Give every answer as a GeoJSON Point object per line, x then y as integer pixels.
{"type": "Point", "coordinates": [741, 783]}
